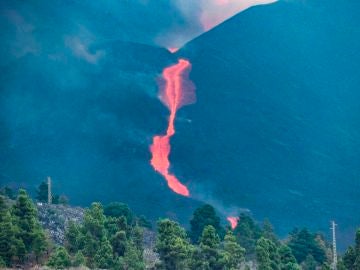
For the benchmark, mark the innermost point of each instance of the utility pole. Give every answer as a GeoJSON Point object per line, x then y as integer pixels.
{"type": "Point", "coordinates": [49, 190]}
{"type": "Point", "coordinates": [334, 264]}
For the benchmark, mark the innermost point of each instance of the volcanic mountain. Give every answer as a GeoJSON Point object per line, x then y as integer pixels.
{"type": "Point", "coordinates": [276, 127]}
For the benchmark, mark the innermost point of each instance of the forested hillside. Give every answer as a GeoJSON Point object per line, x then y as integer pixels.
{"type": "Point", "coordinates": [113, 237]}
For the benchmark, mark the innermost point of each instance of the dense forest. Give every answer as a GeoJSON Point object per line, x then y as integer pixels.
{"type": "Point", "coordinates": [112, 237]}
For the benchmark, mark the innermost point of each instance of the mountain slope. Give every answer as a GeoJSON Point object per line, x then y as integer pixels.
{"type": "Point", "coordinates": [88, 125]}
{"type": "Point", "coordinates": [277, 124]}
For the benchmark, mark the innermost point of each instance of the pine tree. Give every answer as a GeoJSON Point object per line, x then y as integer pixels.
{"type": "Point", "coordinates": [40, 244]}
{"type": "Point", "coordinates": [8, 192]}
{"type": "Point", "coordinates": [2, 263]}
{"type": "Point", "coordinates": [8, 248]}
{"type": "Point", "coordinates": [79, 259]}
{"type": "Point", "coordinates": [357, 263]}
{"type": "Point", "coordinates": [263, 254]}
{"type": "Point", "coordinates": [274, 255]}
{"type": "Point", "coordinates": [309, 263]}
{"type": "Point", "coordinates": [233, 253]}
{"type": "Point", "coordinates": [341, 265]}
{"type": "Point", "coordinates": [117, 209]}
{"type": "Point", "coordinates": [357, 242]}
{"type": "Point", "coordinates": [268, 232]}
{"type": "Point", "coordinates": [115, 224]}
{"type": "Point", "coordinates": [104, 256]}
{"type": "Point", "coordinates": [72, 238]}
{"type": "Point", "coordinates": [203, 216]}
{"type": "Point", "coordinates": [137, 236]}
{"type": "Point", "coordinates": [267, 254]}
{"type": "Point", "coordinates": [94, 221]}
{"type": "Point", "coordinates": [28, 229]}
{"type": "Point", "coordinates": [60, 259]}
{"type": "Point", "coordinates": [91, 245]}
{"type": "Point", "coordinates": [42, 192]}
{"type": "Point", "coordinates": [196, 261]}
{"type": "Point", "coordinates": [357, 251]}
{"type": "Point", "coordinates": [20, 251]}
{"type": "Point", "coordinates": [247, 233]}
{"type": "Point", "coordinates": [209, 246]}
{"type": "Point", "coordinates": [119, 242]}
{"type": "Point", "coordinates": [349, 258]}
{"type": "Point", "coordinates": [304, 243]}
{"type": "Point", "coordinates": [93, 234]}
{"type": "Point", "coordinates": [133, 259]}
{"type": "Point", "coordinates": [172, 245]}
{"type": "Point", "coordinates": [287, 259]}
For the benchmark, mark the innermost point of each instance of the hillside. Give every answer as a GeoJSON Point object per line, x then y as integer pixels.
{"type": "Point", "coordinates": [88, 125]}
{"type": "Point", "coordinates": [49, 236]}
{"type": "Point", "coordinates": [277, 114]}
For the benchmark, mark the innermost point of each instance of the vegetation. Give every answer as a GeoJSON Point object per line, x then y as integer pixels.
{"type": "Point", "coordinates": [351, 259]}
{"type": "Point", "coordinates": [172, 245]}
{"type": "Point", "coordinates": [60, 259]}
{"type": "Point", "coordinates": [117, 209]}
{"type": "Point", "coordinates": [233, 254]}
{"type": "Point", "coordinates": [247, 233]}
{"type": "Point", "coordinates": [203, 216]}
{"type": "Point", "coordinates": [21, 236]}
{"type": "Point", "coordinates": [105, 241]}
{"type": "Point", "coordinates": [304, 244]}
{"type": "Point", "coordinates": [111, 237]}
{"type": "Point", "coordinates": [8, 192]}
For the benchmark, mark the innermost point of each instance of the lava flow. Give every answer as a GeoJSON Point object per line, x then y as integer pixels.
{"type": "Point", "coordinates": [177, 92]}
{"type": "Point", "coordinates": [233, 221]}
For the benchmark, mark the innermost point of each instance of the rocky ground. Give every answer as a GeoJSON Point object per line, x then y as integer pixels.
{"type": "Point", "coordinates": [150, 256]}
{"type": "Point", "coordinates": [55, 218]}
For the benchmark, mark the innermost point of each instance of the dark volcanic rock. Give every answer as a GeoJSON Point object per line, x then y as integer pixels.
{"type": "Point", "coordinates": [276, 125]}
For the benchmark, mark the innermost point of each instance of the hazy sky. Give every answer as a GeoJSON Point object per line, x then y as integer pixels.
{"type": "Point", "coordinates": [201, 16]}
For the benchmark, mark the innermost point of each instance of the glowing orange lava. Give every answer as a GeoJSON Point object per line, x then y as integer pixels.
{"type": "Point", "coordinates": [233, 221]}
{"type": "Point", "coordinates": [173, 49]}
{"type": "Point", "coordinates": [174, 95]}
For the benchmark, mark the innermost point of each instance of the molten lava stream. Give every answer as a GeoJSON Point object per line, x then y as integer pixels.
{"type": "Point", "coordinates": [233, 221]}
{"type": "Point", "coordinates": [173, 95]}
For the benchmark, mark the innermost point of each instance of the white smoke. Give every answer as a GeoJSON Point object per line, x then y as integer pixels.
{"type": "Point", "coordinates": [203, 15]}
{"type": "Point", "coordinates": [214, 12]}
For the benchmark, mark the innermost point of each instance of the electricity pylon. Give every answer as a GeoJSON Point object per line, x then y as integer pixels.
{"type": "Point", "coordinates": [49, 190]}
{"type": "Point", "coordinates": [334, 263]}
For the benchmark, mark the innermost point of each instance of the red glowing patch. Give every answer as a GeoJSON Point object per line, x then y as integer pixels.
{"type": "Point", "coordinates": [173, 49]}
{"type": "Point", "coordinates": [233, 221]}
{"type": "Point", "coordinates": [176, 92]}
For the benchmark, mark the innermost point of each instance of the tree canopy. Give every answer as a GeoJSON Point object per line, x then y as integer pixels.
{"type": "Point", "coordinates": [203, 216]}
